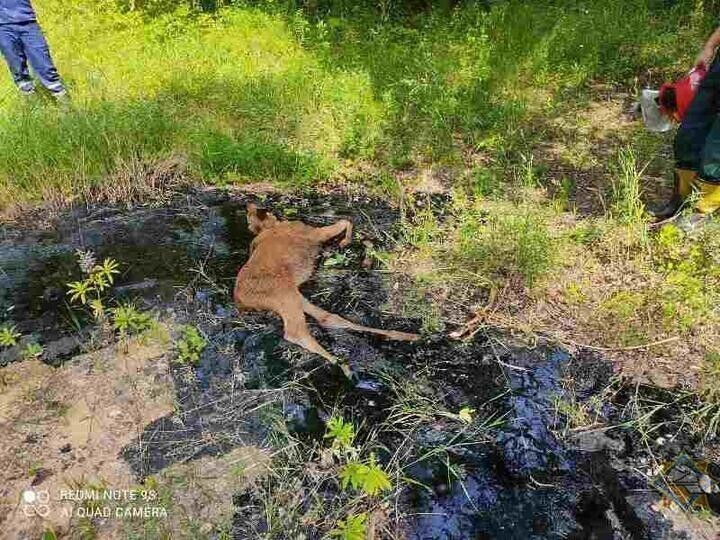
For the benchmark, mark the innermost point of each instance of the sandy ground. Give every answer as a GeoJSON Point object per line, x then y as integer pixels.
{"type": "Point", "coordinates": [62, 431]}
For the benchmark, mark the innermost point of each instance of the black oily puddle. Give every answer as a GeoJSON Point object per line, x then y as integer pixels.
{"type": "Point", "coordinates": [522, 482]}
{"type": "Point", "coordinates": [518, 480]}
{"type": "Point", "coordinates": [161, 251]}
{"type": "Point", "coordinates": [156, 248]}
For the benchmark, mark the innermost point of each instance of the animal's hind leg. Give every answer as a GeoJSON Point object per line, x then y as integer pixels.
{"type": "Point", "coordinates": [297, 331]}
{"type": "Point", "coordinates": [330, 320]}
{"type": "Point", "coordinates": [325, 234]}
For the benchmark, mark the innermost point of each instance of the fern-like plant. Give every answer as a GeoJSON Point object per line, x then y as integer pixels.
{"type": "Point", "coordinates": [351, 528]}
{"type": "Point", "coordinates": [9, 335]}
{"type": "Point", "coordinates": [367, 477]}
{"type": "Point", "coordinates": [342, 434]}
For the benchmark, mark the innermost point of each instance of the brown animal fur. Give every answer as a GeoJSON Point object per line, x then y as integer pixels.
{"type": "Point", "coordinates": [282, 258]}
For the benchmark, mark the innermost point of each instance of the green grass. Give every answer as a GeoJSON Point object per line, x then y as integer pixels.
{"type": "Point", "coordinates": [505, 244]}
{"type": "Point", "coordinates": [627, 205]}
{"type": "Point", "coordinates": [486, 243]}
{"type": "Point", "coordinates": [272, 93]}
{"type": "Point", "coordinates": [236, 93]}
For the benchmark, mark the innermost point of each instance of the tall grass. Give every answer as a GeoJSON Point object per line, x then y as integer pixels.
{"type": "Point", "coordinates": [267, 92]}
{"type": "Point", "coordinates": [627, 204]}
{"type": "Point", "coordinates": [487, 243]}
{"type": "Point", "coordinates": [503, 245]}
{"type": "Point", "coordinates": [236, 93]}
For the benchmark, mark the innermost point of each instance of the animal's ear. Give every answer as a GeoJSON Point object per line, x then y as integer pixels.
{"type": "Point", "coordinates": [259, 218]}
{"type": "Point", "coordinates": [254, 211]}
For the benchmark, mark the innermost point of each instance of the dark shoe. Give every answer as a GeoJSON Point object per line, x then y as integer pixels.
{"type": "Point", "coordinates": [675, 203]}
{"type": "Point", "coordinates": [673, 206]}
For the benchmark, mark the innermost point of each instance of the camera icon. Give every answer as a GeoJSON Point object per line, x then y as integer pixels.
{"type": "Point", "coordinates": [35, 502]}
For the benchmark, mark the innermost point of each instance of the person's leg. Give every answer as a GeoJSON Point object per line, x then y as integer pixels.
{"type": "Point", "coordinates": [710, 165]}
{"type": "Point", "coordinates": [698, 122]}
{"type": "Point", "coordinates": [12, 49]}
{"type": "Point", "coordinates": [690, 140]}
{"type": "Point", "coordinates": [709, 200]}
{"type": "Point", "coordinates": [38, 53]}
{"type": "Point", "coordinates": [685, 182]}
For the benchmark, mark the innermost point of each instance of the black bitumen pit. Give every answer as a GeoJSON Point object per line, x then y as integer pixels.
{"type": "Point", "coordinates": [520, 479]}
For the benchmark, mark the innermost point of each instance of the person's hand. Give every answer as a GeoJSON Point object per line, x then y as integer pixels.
{"type": "Point", "coordinates": [705, 57]}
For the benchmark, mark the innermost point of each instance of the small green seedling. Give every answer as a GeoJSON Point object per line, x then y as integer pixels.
{"type": "Point", "coordinates": [367, 477]}
{"type": "Point", "coordinates": [338, 259]}
{"type": "Point", "coordinates": [190, 346]}
{"type": "Point", "coordinates": [128, 320]}
{"type": "Point", "coordinates": [32, 350]}
{"type": "Point", "coordinates": [99, 277]}
{"type": "Point", "coordinates": [342, 434]}
{"type": "Point", "coordinates": [351, 528]}
{"type": "Point", "coordinates": [9, 335]}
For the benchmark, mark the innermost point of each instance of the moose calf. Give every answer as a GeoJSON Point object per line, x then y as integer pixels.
{"type": "Point", "coordinates": [282, 257]}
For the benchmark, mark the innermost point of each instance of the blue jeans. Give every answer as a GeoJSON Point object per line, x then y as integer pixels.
{"type": "Point", "coordinates": [23, 42]}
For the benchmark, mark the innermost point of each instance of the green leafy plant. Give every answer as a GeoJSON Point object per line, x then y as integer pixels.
{"type": "Point", "coordinates": [48, 534]}
{"type": "Point", "coordinates": [342, 434]}
{"type": "Point", "coordinates": [368, 477]}
{"type": "Point", "coordinates": [669, 246]}
{"type": "Point", "coordinates": [8, 335]}
{"type": "Point", "coordinates": [99, 277]}
{"type": "Point", "coordinates": [127, 320]}
{"type": "Point", "coordinates": [351, 528]}
{"type": "Point", "coordinates": [190, 346]}
{"type": "Point", "coordinates": [79, 291]}
{"type": "Point", "coordinates": [32, 350]}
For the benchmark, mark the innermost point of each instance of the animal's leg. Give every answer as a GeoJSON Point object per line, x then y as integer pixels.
{"type": "Point", "coordinates": [330, 320]}
{"type": "Point", "coordinates": [325, 234]}
{"type": "Point", "coordinates": [297, 331]}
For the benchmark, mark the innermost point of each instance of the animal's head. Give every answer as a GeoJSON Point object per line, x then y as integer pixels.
{"type": "Point", "coordinates": [259, 219]}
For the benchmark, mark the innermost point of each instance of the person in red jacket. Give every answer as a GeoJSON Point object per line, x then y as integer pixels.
{"type": "Point", "coordinates": [694, 101]}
